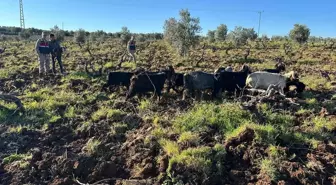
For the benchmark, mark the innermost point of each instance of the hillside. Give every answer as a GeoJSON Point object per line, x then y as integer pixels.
{"type": "Point", "coordinates": [72, 133]}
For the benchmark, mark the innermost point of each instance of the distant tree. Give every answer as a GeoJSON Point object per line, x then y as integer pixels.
{"type": "Point", "coordinates": [300, 33]}
{"type": "Point", "coordinates": [221, 32]}
{"type": "Point", "coordinates": [240, 35]}
{"type": "Point", "coordinates": [125, 35]}
{"type": "Point", "coordinates": [60, 34]}
{"type": "Point", "coordinates": [25, 34]}
{"type": "Point", "coordinates": [211, 35]}
{"type": "Point", "coordinates": [264, 38]}
{"type": "Point", "coordinates": [80, 37]}
{"type": "Point", "coordinates": [182, 33]}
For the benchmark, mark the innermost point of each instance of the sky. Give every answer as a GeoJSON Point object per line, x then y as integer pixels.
{"type": "Point", "coordinates": [147, 16]}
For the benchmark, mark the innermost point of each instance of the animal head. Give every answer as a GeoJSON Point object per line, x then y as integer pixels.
{"type": "Point", "coordinates": [219, 70]}
{"type": "Point", "coordinates": [245, 68]}
{"type": "Point", "coordinates": [280, 66]}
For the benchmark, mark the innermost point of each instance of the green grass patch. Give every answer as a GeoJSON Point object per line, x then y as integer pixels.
{"type": "Point", "coordinates": [17, 157]}
{"type": "Point", "coordinates": [224, 118]}
{"type": "Point", "coordinates": [92, 146]}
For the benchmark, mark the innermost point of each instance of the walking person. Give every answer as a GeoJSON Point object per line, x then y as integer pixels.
{"type": "Point", "coordinates": [43, 52]}
{"type": "Point", "coordinates": [131, 48]}
{"type": "Point", "coordinates": [56, 53]}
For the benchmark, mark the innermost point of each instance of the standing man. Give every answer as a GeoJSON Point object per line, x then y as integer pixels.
{"type": "Point", "coordinates": [43, 52]}
{"type": "Point", "coordinates": [131, 48]}
{"type": "Point", "coordinates": [56, 53]}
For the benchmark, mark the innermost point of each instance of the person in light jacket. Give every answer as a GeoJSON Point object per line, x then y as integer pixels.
{"type": "Point", "coordinates": [43, 51]}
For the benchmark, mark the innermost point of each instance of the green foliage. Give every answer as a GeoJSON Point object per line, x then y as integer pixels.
{"type": "Point", "coordinates": [59, 34]}
{"type": "Point", "coordinates": [194, 158]}
{"type": "Point", "coordinates": [92, 146]}
{"type": "Point", "coordinates": [211, 36]}
{"type": "Point", "coordinates": [170, 147]}
{"type": "Point", "coordinates": [268, 168]}
{"type": "Point", "coordinates": [17, 157]}
{"type": "Point", "coordinates": [240, 35]}
{"type": "Point", "coordinates": [221, 32]}
{"type": "Point", "coordinates": [182, 34]}
{"type": "Point", "coordinates": [189, 138]}
{"type": "Point", "coordinates": [80, 36]}
{"type": "Point", "coordinates": [300, 33]}
{"type": "Point", "coordinates": [125, 35]}
{"type": "Point", "coordinates": [225, 118]}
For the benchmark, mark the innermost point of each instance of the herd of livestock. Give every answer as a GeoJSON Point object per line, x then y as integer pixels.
{"type": "Point", "coordinates": [223, 79]}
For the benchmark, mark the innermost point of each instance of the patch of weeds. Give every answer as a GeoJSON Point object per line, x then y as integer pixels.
{"type": "Point", "coordinates": [321, 122]}
{"type": "Point", "coordinates": [55, 119]}
{"type": "Point", "coordinates": [130, 65]}
{"type": "Point", "coordinates": [189, 138]}
{"type": "Point", "coordinates": [316, 82]}
{"type": "Point", "coordinates": [303, 111]}
{"type": "Point", "coordinates": [145, 104]}
{"type": "Point", "coordinates": [17, 157]}
{"type": "Point", "coordinates": [70, 112]}
{"type": "Point", "coordinates": [119, 128]}
{"type": "Point", "coordinates": [265, 133]}
{"type": "Point", "coordinates": [268, 167]}
{"type": "Point", "coordinates": [92, 146]}
{"type": "Point", "coordinates": [106, 113]}
{"type": "Point", "coordinates": [160, 132]}
{"type": "Point", "coordinates": [170, 147]}
{"type": "Point", "coordinates": [312, 103]}
{"type": "Point", "coordinates": [16, 129]}
{"type": "Point", "coordinates": [194, 158]}
{"type": "Point", "coordinates": [224, 118]}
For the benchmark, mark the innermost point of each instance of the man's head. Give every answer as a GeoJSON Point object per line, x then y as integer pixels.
{"type": "Point", "coordinates": [44, 35]}
{"type": "Point", "coordinates": [52, 37]}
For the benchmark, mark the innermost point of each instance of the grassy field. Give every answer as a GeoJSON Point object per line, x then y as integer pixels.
{"type": "Point", "coordinates": [71, 131]}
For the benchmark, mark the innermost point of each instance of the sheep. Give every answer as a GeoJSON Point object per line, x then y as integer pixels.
{"type": "Point", "coordinates": [199, 81]}
{"type": "Point", "coordinates": [262, 80]}
{"type": "Point", "coordinates": [231, 81]}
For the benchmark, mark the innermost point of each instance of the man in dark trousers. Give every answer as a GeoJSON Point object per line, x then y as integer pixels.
{"type": "Point", "coordinates": [56, 53]}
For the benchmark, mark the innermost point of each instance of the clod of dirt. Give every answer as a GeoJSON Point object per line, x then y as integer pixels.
{"type": "Point", "coordinates": [133, 121]}
{"type": "Point", "coordinates": [36, 155]}
{"type": "Point", "coordinates": [59, 181]}
{"type": "Point", "coordinates": [163, 163]}
{"type": "Point", "coordinates": [245, 136]}
{"type": "Point", "coordinates": [84, 166]}
{"type": "Point", "coordinates": [107, 169]}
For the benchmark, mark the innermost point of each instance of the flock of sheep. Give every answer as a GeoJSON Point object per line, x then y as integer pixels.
{"type": "Point", "coordinates": [223, 79]}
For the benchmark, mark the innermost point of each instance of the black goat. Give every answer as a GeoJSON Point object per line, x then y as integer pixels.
{"type": "Point", "coordinates": [279, 67]}
{"type": "Point", "coordinates": [198, 81]}
{"type": "Point", "coordinates": [118, 78]}
{"type": "Point", "coordinates": [231, 81]}
{"type": "Point", "coordinates": [175, 82]}
{"type": "Point", "coordinates": [149, 82]}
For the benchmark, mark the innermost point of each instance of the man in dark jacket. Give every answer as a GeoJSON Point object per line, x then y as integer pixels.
{"type": "Point", "coordinates": [56, 53]}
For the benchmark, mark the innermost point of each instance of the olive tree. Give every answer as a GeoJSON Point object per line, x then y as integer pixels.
{"type": "Point", "coordinates": [221, 32]}
{"type": "Point", "coordinates": [80, 37]}
{"type": "Point", "coordinates": [182, 33]}
{"type": "Point", "coordinates": [211, 36]}
{"type": "Point", "coordinates": [60, 34]}
{"type": "Point", "coordinates": [300, 33]}
{"type": "Point", "coordinates": [240, 35]}
{"type": "Point", "coordinates": [125, 35]}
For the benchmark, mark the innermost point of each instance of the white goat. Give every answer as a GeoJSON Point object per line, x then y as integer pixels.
{"type": "Point", "coordinates": [263, 80]}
